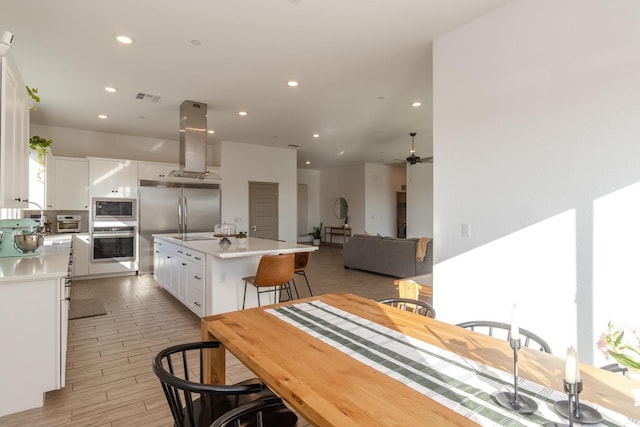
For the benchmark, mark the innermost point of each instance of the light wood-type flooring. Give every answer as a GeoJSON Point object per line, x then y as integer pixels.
{"type": "Point", "coordinates": [109, 381]}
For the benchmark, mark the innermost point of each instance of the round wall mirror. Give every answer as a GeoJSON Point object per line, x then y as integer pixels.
{"type": "Point", "coordinates": [341, 208]}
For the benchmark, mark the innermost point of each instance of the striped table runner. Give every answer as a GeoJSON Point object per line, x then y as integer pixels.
{"type": "Point", "coordinates": [461, 384]}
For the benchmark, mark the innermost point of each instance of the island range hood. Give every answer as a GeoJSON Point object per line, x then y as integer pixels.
{"type": "Point", "coordinates": [193, 141]}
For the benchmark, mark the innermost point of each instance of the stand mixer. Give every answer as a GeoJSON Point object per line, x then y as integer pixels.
{"type": "Point", "coordinates": [10, 228]}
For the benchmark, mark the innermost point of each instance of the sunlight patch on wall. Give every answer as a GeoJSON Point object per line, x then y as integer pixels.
{"type": "Point", "coordinates": [534, 267]}
{"type": "Point", "coordinates": [616, 258]}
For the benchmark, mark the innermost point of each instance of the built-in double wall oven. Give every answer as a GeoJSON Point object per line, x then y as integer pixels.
{"type": "Point", "coordinates": [113, 242]}
{"type": "Point", "coordinates": [111, 209]}
{"type": "Point", "coordinates": [114, 230]}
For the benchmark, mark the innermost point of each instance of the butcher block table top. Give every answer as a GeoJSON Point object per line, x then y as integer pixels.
{"type": "Point", "coordinates": [330, 387]}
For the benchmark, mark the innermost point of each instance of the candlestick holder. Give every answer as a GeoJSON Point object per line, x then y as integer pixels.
{"type": "Point", "coordinates": [579, 412]}
{"type": "Point", "coordinates": [513, 400]}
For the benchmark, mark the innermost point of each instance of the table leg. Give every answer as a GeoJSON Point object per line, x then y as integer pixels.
{"type": "Point", "coordinates": [214, 359]}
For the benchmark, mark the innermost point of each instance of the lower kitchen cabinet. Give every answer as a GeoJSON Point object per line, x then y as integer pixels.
{"type": "Point", "coordinates": [81, 254]}
{"type": "Point", "coordinates": [34, 340]}
{"type": "Point", "coordinates": [181, 272]}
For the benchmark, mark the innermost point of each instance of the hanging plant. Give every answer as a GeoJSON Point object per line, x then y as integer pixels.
{"type": "Point", "coordinates": [33, 93]}
{"type": "Point", "coordinates": [40, 146]}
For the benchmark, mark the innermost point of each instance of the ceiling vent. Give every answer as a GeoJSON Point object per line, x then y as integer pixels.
{"type": "Point", "coordinates": [147, 97]}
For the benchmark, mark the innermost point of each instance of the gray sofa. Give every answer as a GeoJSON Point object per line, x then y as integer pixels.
{"type": "Point", "coordinates": [386, 255]}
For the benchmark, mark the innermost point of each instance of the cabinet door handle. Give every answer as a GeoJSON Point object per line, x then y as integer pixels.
{"type": "Point", "coordinates": [196, 303]}
{"type": "Point", "coordinates": [183, 263]}
{"type": "Point", "coordinates": [180, 252]}
{"type": "Point", "coordinates": [197, 277]}
{"type": "Point", "coordinates": [198, 258]}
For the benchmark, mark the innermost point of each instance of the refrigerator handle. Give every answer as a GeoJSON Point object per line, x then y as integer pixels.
{"type": "Point", "coordinates": [180, 228]}
{"type": "Point", "coordinates": [184, 217]}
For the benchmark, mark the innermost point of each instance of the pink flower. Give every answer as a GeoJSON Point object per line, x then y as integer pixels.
{"type": "Point", "coordinates": [603, 346]}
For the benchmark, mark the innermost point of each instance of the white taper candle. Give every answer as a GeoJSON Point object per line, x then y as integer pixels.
{"type": "Point", "coordinates": [515, 328]}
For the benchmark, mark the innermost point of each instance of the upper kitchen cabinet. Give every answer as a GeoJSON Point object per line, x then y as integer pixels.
{"type": "Point", "coordinates": [113, 178]}
{"type": "Point", "coordinates": [155, 171]}
{"type": "Point", "coordinates": [14, 136]}
{"type": "Point", "coordinates": [70, 183]}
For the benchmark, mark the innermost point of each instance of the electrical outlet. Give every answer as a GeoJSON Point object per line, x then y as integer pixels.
{"type": "Point", "coordinates": [466, 230]}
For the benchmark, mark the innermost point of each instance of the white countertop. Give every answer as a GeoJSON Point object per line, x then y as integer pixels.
{"type": "Point", "coordinates": [254, 247]}
{"type": "Point", "coordinates": [51, 261]}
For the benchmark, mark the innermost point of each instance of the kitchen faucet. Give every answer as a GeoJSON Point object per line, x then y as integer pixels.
{"type": "Point", "coordinates": [40, 228]}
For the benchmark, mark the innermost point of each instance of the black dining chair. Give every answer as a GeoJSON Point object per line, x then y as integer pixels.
{"type": "Point", "coordinates": [193, 402]}
{"type": "Point", "coordinates": [258, 413]}
{"type": "Point", "coordinates": [412, 305]}
{"type": "Point", "coordinates": [503, 330]}
{"type": "Point", "coordinates": [614, 367]}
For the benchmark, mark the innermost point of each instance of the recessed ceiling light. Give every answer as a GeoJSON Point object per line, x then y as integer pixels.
{"type": "Point", "coordinates": [124, 39]}
{"type": "Point", "coordinates": [103, 116]}
{"type": "Point", "coordinates": [307, 162]}
{"type": "Point", "coordinates": [292, 83]}
{"type": "Point", "coordinates": [316, 135]}
{"type": "Point", "coordinates": [211, 131]}
{"type": "Point", "coordinates": [242, 113]}
{"type": "Point", "coordinates": [416, 104]}
{"type": "Point", "coordinates": [110, 89]}
{"type": "Point", "coordinates": [196, 42]}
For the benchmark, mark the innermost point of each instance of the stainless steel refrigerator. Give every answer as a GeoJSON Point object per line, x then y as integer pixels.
{"type": "Point", "coordinates": [174, 207]}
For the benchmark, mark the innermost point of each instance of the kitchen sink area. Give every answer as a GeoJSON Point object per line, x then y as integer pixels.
{"type": "Point", "coordinates": [193, 238]}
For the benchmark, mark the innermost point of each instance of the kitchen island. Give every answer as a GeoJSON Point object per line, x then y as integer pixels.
{"type": "Point", "coordinates": [206, 276]}
{"type": "Point", "coordinates": [33, 310]}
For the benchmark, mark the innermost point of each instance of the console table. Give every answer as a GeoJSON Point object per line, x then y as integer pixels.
{"type": "Point", "coordinates": [336, 231]}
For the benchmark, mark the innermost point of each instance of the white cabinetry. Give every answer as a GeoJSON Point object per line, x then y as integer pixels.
{"type": "Point", "coordinates": [195, 287]}
{"type": "Point", "coordinates": [14, 137]}
{"type": "Point", "coordinates": [33, 339]}
{"type": "Point", "coordinates": [113, 178]}
{"type": "Point", "coordinates": [81, 254]}
{"type": "Point", "coordinates": [70, 182]}
{"type": "Point", "coordinates": [181, 271]}
{"type": "Point", "coordinates": [155, 171]}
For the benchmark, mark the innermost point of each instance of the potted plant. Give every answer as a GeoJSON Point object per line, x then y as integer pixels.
{"type": "Point", "coordinates": [40, 146]}
{"type": "Point", "coordinates": [33, 93]}
{"type": "Point", "coordinates": [241, 239]}
{"type": "Point", "coordinates": [316, 234]}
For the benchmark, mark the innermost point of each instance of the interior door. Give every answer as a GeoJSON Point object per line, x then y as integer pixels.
{"type": "Point", "coordinates": [303, 210]}
{"type": "Point", "coordinates": [263, 210]}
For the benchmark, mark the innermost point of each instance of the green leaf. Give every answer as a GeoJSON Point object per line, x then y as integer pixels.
{"type": "Point", "coordinates": [624, 360]}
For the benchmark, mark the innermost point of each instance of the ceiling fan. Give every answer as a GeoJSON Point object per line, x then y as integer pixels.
{"type": "Point", "coordinates": [413, 159]}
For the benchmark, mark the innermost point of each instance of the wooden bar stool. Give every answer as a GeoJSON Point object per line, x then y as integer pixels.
{"type": "Point", "coordinates": [274, 272]}
{"type": "Point", "coordinates": [301, 262]}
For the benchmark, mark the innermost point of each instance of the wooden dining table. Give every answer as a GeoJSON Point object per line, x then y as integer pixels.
{"type": "Point", "coordinates": [330, 388]}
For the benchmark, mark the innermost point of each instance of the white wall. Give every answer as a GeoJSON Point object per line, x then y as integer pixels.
{"type": "Point", "coordinates": [242, 163]}
{"type": "Point", "coordinates": [420, 200]}
{"type": "Point", "coordinates": [347, 182]}
{"type": "Point", "coordinates": [536, 136]}
{"type": "Point", "coordinates": [381, 184]}
{"type": "Point", "coordinates": [87, 143]}
{"type": "Point", "coordinates": [312, 179]}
